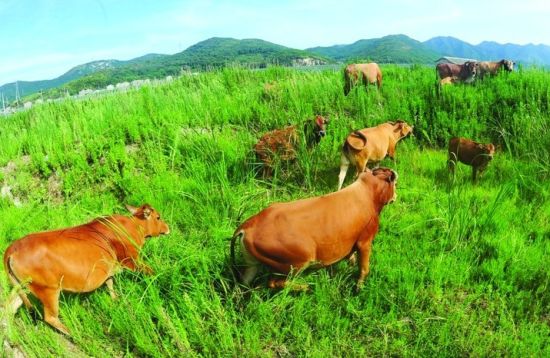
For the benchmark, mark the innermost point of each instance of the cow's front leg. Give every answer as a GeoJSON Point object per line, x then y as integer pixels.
{"type": "Point", "coordinates": [364, 248]}
{"type": "Point", "coordinates": [391, 153]}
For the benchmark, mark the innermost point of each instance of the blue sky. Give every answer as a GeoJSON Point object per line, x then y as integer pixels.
{"type": "Point", "coordinates": [42, 39]}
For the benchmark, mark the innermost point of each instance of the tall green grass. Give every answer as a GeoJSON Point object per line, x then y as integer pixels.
{"type": "Point", "coordinates": [457, 269]}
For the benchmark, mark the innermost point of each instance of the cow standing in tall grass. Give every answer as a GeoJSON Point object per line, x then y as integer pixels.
{"type": "Point", "coordinates": [366, 73]}
{"type": "Point", "coordinates": [371, 145]}
{"type": "Point", "coordinates": [318, 231]}
{"type": "Point", "coordinates": [280, 144]}
{"type": "Point", "coordinates": [78, 259]}
{"type": "Point", "coordinates": [448, 73]}
{"type": "Point", "coordinates": [476, 155]}
{"type": "Point", "coordinates": [487, 68]}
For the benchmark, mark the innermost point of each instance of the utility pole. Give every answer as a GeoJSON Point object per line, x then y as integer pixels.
{"type": "Point", "coordinates": [17, 93]}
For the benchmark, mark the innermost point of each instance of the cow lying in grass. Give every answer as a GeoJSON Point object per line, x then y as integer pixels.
{"type": "Point", "coordinates": [467, 151]}
{"type": "Point", "coordinates": [281, 144]}
{"type": "Point", "coordinates": [319, 231]}
{"type": "Point", "coordinates": [78, 259]}
{"type": "Point", "coordinates": [371, 145]}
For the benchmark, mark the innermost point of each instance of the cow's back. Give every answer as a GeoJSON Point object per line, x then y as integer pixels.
{"type": "Point", "coordinates": [307, 228]}
{"type": "Point", "coordinates": [371, 72]}
{"type": "Point", "coordinates": [76, 259]}
{"type": "Point", "coordinates": [279, 142]}
{"type": "Point", "coordinates": [447, 70]}
{"type": "Point", "coordinates": [466, 151]}
{"type": "Point", "coordinates": [378, 141]}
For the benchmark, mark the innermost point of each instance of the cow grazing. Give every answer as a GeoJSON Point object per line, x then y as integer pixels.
{"type": "Point", "coordinates": [470, 153]}
{"type": "Point", "coordinates": [317, 232]}
{"type": "Point", "coordinates": [78, 259]}
{"type": "Point", "coordinates": [487, 68]}
{"type": "Point", "coordinates": [367, 73]}
{"type": "Point", "coordinates": [371, 145]}
{"type": "Point", "coordinates": [466, 72]}
{"type": "Point", "coordinates": [281, 143]}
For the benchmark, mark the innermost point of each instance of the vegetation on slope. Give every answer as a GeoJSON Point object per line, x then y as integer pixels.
{"type": "Point", "coordinates": [387, 49]}
{"type": "Point", "coordinates": [457, 269]}
{"type": "Point", "coordinates": [210, 54]}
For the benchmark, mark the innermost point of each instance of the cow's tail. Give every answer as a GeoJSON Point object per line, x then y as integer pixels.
{"type": "Point", "coordinates": [12, 276]}
{"type": "Point", "coordinates": [358, 134]}
{"type": "Point", "coordinates": [238, 235]}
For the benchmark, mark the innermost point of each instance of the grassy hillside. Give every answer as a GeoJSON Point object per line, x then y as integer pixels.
{"type": "Point", "coordinates": [457, 269]}
{"type": "Point", "coordinates": [216, 52]}
{"type": "Point", "coordinates": [387, 49]}
{"type": "Point", "coordinates": [52, 88]}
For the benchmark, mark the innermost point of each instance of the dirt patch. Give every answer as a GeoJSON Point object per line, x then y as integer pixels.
{"type": "Point", "coordinates": [55, 188]}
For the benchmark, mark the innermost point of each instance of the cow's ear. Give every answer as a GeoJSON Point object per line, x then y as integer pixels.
{"type": "Point", "coordinates": [147, 211]}
{"type": "Point", "coordinates": [319, 121]}
{"type": "Point", "coordinates": [392, 177]}
{"type": "Point", "coordinates": [132, 209]}
{"type": "Point", "coordinates": [398, 127]}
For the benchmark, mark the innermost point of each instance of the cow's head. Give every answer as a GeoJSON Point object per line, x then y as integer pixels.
{"type": "Point", "coordinates": [316, 129]}
{"type": "Point", "coordinates": [490, 150]}
{"type": "Point", "coordinates": [401, 128]}
{"type": "Point", "coordinates": [508, 65]}
{"type": "Point", "coordinates": [472, 69]}
{"type": "Point", "coordinates": [383, 182]}
{"type": "Point", "coordinates": [486, 150]}
{"type": "Point", "coordinates": [150, 220]}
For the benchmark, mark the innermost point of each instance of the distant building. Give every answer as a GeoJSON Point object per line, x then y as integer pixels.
{"type": "Point", "coordinates": [85, 92]}
{"type": "Point", "coordinates": [307, 61]}
{"type": "Point", "coordinates": [455, 60]}
{"type": "Point", "coordinates": [122, 86]}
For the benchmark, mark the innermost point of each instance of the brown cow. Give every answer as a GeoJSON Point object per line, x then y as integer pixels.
{"type": "Point", "coordinates": [371, 145]}
{"type": "Point", "coordinates": [493, 68]}
{"type": "Point", "coordinates": [369, 73]}
{"type": "Point", "coordinates": [319, 231]}
{"type": "Point", "coordinates": [78, 259]}
{"type": "Point", "coordinates": [466, 72]}
{"type": "Point", "coordinates": [281, 143]}
{"type": "Point", "coordinates": [470, 153]}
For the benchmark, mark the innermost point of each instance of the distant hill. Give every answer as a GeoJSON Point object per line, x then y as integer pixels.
{"type": "Point", "coordinates": [218, 52]}
{"type": "Point", "coordinates": [27, 88]}
{"type": "Point", "coordinates": [212, 53]}
{"type": "Point", "coordinates": [487, 50]}
{"type": "Point", "coordinates": [388, 49]}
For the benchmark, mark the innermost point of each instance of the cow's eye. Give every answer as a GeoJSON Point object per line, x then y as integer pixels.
{"type": "Point", "coordinates": [158, 217]}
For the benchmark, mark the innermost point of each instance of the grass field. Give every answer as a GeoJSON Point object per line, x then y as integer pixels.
{"type": "Point", "coordinates": [457, 269]}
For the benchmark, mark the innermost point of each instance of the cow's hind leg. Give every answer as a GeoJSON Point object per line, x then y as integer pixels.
{"type": "Point", "coordinates": [344, 165]}
{"type": "Point", "coordinates": [451, 163]}
{"type": "Point", "coordinates": [252, 265]}
{"type": "Point", "coordinates": [275, 283]}
{"type": "Point", "coordinates": [50, 300]}
{"type": "Point", "coordinates": [111, 289]}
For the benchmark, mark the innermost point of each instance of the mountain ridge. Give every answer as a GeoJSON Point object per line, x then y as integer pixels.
{"type": "Point", "coordinates": [222, 51]}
